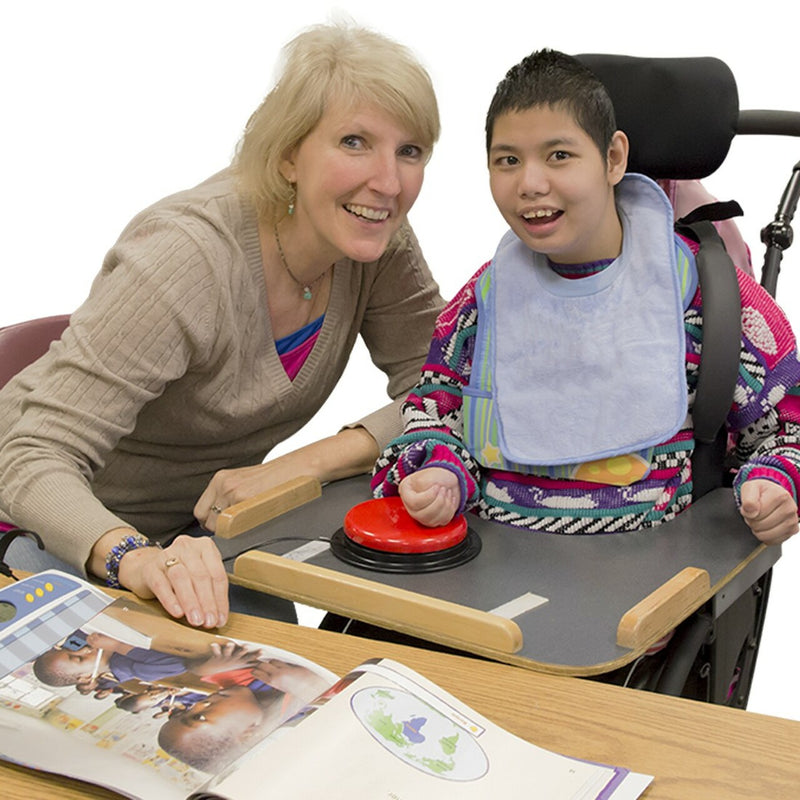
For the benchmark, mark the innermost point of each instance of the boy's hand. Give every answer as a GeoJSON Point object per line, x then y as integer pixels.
{"type": "Point", "coordinates": [100, 641]}
{"type": "Point", "coordinates": [290, 678]}
{"type": "Point", "coordinates": [226, 657]}
{"type": "Point", "coordinates": [431, 496]}
{"type": "Point", "coordinates": [769, 510]}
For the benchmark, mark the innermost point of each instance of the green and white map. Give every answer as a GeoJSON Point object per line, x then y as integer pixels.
{"type": "Point", "coordinates": [419, 734]}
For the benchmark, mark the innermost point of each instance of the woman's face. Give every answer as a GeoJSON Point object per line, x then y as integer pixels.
{"type": "Point", "coordinates": [357, 173]}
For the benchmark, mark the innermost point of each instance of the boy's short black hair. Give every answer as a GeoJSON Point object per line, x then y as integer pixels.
{"type": "Point", "coordinates": [49, 670]}
{"type": "Point", "coordinates": [551, 78]}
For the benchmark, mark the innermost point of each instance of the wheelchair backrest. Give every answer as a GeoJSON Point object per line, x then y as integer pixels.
{"type": "Point", "coordinates": [680, 114]}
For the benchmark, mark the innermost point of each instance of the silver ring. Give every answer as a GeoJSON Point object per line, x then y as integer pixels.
{"type": "Point", "coordinates": [171, 562]}
{"type": "Point", "coordinates": [216, 509]}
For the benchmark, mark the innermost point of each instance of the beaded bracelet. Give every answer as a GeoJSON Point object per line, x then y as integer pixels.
{"type": "Point", "coordinates": [132, 542]}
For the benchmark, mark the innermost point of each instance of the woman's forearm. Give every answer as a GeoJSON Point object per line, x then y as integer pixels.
{"type": "Point", "coordinates": [349, 452]}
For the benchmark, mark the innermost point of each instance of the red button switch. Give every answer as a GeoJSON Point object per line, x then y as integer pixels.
{"type": "Point", "coordinates": [384, 524]}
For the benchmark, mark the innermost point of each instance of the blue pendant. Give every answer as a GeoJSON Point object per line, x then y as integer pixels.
{"type": "Point", "coordinates": [306, 293]}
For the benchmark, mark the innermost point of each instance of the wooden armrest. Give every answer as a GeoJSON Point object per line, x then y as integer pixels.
{"type": "Point", "coordinates": [262, 507]}
{"type": "Point", "coordinates": [387, 606]}
{"type": "Point", "coordinates": [664, 608]}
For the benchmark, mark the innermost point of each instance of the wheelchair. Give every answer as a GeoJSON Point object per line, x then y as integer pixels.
{"type": "Point", "coordinates": [694, 104]}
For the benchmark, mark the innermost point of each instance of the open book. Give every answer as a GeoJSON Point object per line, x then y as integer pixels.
{"type": "Point", "coordinates": [111, 693]}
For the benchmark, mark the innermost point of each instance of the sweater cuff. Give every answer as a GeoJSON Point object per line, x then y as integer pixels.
{"type": "Point", "coordinates": [773, 471]}
{"type": "Point", "coordinates": [417, 456]}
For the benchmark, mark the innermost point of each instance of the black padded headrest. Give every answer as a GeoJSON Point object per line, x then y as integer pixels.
{"type": "Point", "coordinates": [680, 114]}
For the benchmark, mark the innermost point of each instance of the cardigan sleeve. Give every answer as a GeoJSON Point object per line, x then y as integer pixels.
{"type": "Point", "coordinates": [149, 317]}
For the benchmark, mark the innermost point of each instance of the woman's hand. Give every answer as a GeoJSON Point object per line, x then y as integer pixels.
{"type": "Point", "coordinates": [349, 452]}
{"type": "Point", "coordinates": [187, 578]}
{"type": "Point", "coordinates": [231, 486]}
{"type": "Point", "coordinates": [431, 496]}
{"type": "Point", "coordinates": [769, 510]}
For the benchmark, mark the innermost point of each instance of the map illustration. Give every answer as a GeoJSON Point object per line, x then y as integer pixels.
{"type": "Point", "coordinates": [419, 734]}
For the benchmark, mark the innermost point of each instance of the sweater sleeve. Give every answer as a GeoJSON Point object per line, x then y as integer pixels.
{"type": "Point", "coordinates": [765, 418]}
{"type": "Point", "coordinates": [433, 412]}
{"type": "Point", "coordinates": [71, 408]}
{"type": "Point", "coordinates": [397, 324]}
{"type": "Point", "coordinates": [145, 665]}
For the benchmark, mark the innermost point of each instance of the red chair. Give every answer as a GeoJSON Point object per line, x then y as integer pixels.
{"type": "Point", "coordinates": [23, 343]}
{"type": "Point", "coordinates": [20, 345]}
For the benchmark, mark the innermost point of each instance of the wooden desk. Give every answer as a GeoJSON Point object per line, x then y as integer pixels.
{"type": "Point", "coordinates": [594, 588]}
{"type": "Point", "coordinates": [696, 751]}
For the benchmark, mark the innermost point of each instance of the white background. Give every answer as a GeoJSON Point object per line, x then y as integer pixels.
{"type": "Point", "coordinates": [107, 106]}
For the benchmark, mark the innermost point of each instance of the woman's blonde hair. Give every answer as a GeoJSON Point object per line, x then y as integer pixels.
{"type": "Point", "coordinates": [330, 63]}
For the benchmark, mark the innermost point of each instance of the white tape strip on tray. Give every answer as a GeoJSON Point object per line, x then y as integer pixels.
{"type": "Point", "coordinates": [307, 550]}
{"type": "Point", "coordinates": [519, 605]}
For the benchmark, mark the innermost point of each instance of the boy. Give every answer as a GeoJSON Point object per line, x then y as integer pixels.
{"type": "Point", "coordinates": [215, 730]}
{"type": "Point", "coordinates": [102, 661]}
{"type": "Point", "coordinates": [555, 392]}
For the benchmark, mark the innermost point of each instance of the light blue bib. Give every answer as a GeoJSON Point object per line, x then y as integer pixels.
{"type": "Point", "coordinates": [587, 370]}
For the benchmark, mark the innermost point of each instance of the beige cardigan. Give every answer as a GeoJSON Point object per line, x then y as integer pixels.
{"type": "Point", "coordinates": [168, 372]}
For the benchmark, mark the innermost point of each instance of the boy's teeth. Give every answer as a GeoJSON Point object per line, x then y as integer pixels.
{"type": "Point", "coordinates": [539, 214]}
{"type": "Point", "coordinates": [368, 213]}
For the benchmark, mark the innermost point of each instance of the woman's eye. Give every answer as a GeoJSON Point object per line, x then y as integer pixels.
{"type": "Point", "coordinates": [560, 155]}
{"type": "Point", "coordinates": [353, 142]}
{"type": "Point", "coordinates": [412, 151]}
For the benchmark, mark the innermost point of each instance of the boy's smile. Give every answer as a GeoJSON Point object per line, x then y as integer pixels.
{"type": "Point", "coordinates": [554, 187]}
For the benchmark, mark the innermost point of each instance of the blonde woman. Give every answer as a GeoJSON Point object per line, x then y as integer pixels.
{"type": "Point", "coordinates": [220, 322]}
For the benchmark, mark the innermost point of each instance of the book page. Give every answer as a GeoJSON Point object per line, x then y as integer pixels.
{"type": "Point", "coordinates": [385, 732]}
{"type": "Point", "coordinates": [86, 699]}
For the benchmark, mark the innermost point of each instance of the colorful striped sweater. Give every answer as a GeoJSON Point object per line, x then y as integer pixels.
{"type": "Point", "coordinates": [764, 425]}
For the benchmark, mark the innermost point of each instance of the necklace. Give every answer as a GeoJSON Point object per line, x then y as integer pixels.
{"type": "Point", "coordinates": [305, 286]}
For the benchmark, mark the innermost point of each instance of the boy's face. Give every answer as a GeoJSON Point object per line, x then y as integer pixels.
{"type": "Point", "coordinates": [214, 731]}
{"type": "Point", "coordinates": [554, 187]}
{"type": "Point", "coordinates": [233, 709]}
{"type": "Point", "coordinates": [80, 663]}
